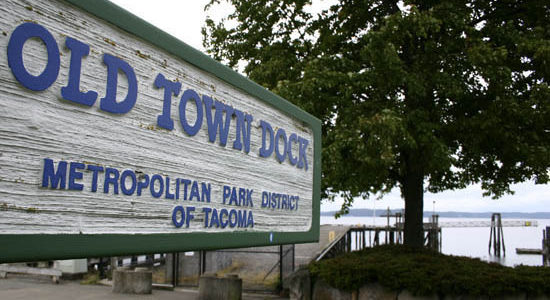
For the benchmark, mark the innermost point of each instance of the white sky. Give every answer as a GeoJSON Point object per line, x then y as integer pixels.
{"type": "Point", "coordinates": [184, 19]}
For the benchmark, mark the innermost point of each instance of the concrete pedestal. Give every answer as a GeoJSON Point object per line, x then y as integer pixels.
{"type": "Point", "coordinates": [72, 268]}
{"type": "Point", "coordinates": [213, 288]}
{"type": "Point", "coordinates": [138, 281]}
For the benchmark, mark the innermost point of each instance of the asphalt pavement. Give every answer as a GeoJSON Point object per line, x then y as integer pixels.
{"type": "Point", "coordinates": [24, 287]}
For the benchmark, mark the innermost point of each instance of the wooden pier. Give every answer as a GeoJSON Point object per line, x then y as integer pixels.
{"type": "Point", "coordinates": [361, 237]}
{"type": "Point", "coordinates": [545, 251]}
{"type": "Point", "coordinates": [529, 251]}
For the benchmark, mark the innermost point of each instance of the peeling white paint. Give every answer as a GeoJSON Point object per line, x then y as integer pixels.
{"type": "Point", "coordinates": [38, 125]}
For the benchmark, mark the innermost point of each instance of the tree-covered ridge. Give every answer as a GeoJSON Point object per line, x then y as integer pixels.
{"type": "Point", "coordinates": [429, 96]}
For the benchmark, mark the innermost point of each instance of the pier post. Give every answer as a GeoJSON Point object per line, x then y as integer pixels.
{"type": "Point", "coordinates": [546, 246]}
{"type": "Point", "coordinates": [496, 237]}
{"type": "Point", "coordinates": [433, 234]}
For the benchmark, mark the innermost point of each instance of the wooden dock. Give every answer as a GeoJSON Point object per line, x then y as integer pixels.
{"type": "Point", "coordinates": [529, 251]}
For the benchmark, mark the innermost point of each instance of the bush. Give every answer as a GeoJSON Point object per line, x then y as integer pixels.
{"type": "Point", "coordinates": [424, 272]}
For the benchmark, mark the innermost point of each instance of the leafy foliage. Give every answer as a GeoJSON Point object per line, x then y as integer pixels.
{"type": "Point", "coordinates": [424, 272]}
{"type": "Point", "coordinates": [431, 96]}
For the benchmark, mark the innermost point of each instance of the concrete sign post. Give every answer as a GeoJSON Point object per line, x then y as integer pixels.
{"type": "Point", "coordinates": [116, 138]}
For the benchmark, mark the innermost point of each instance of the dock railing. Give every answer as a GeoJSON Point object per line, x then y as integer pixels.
{"type": "Point", "coordinates": [357, 238]}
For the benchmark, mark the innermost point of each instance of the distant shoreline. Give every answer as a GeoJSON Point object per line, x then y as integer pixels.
{"type": "Point", "coordinates": [363, 212]}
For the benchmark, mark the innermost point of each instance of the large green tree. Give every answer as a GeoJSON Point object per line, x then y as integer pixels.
{"type": "Point", "coordinates": [424, 95]}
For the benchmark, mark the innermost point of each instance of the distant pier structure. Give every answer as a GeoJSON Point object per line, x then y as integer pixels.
{"type": "Point", "coordinates": [362, 236]}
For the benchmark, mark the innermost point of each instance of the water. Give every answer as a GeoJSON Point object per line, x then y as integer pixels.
{"type": "Point", "coordinates": [473, 241]}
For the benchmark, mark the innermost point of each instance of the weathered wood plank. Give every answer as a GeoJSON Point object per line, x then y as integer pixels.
{"type": "Point", "coordinates": [30, 270]}
{"type": "Point", "coordinates": [54, 273]}
{"type": "Point", "coordinates": [39, 125]}
{"type": "Point", "coordinates": [529, 251]}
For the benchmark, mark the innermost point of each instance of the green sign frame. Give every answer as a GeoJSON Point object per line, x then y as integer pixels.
{"type": "Point", "coordinates": [35, 247]}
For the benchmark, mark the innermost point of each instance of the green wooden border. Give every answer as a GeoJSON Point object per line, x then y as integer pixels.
{"type": "Point", "coordinates": [32, 247]}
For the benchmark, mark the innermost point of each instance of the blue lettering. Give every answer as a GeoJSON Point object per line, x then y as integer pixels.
{"type": "Point", "coordinates": [206, 211]}
{"type": "Point", "coordinates": [214, 220]}
{"type": "Point", "coordinates": [237, 196]}
{"type": "Point", "coordinates": [232, 218]}
{"type": "Point", "coordinates": [242, 196]}
{"type": "Point", "coordinates": [56, 178]}
{"type": "Point", "coordinates": [205, 194]}
{"type": "Point", "coordinates": [177, 223]}
{"type": "Point", "coordinates": [74, 174]}
{"type": "Point", "coordinates": [284, 204]}
{"type": "Point", "coordinates": [194, 191]}
{"type": "Point", "coordinates": [303, 158]}
{"type": "Point", "coordinates": [185, 182]}
{"type": "Point", "coordinates": [249, 197]}
{"type": "Point", "coordinates": [266, 129]}
{"type": "Point", "coordinates": [293, 159]}
{"type": "Point", "coordinates": [241, 219]}
{"type": "Point", "coordinates": [217, 124]}
{"type": "Point", "coordinates": [250, 222]}
{"type": "Point", "coordinates": [142, 184]}
{"type": "Point", "coordinates": [95, 170]}
{"type": "Point", "coordinates": [226, 193]}
{"type": "Point", "coordinates": [273, 201]}
{"type": "Point", "coordinates": [170, 87]}
{"type": "Point", "coordinates": [223, 213]}
{"type": "Point", "coordinates": [189, 210]}
{"type": "Point", "coordinates": [72, 91]}
{"type": "Point", "coordinates": [290, 204]}
{"type": "Point", "coordinates": [233, 199]}
{"type": "Point", "coordinates": [244, 128]}
{"type": "Point", "coordinates": [190, 130]}
{"type": "Point", "coordinates": [265, 199]}
{"type": "Point", "coordinates": [158, 179]}
{"type": "Point", "coordinates": [111, 180]}
{"type": "Point", "coordinates": [280, 155]}
{"type": "Point", "coordinates": [109, 103]}
{"type": "Point", "coordinates": [17, 40]}
{"type": "Point", "coordinates": [178, 188]}
{"type": "Point", "coordinates": [168, 195]}
{"type": "Point", "coordinates": [125, 174]}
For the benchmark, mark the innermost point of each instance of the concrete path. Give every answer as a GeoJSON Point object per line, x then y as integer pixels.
{"type": "Point", "coordinates": [305, 253]}
{"type": "Point", "coordinates": [18, 287]}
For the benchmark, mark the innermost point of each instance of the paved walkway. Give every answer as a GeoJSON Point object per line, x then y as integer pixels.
{"type": "Point", "coordinates": [19, 287]}
{"type": "Point", "coordinates": [305, 253]}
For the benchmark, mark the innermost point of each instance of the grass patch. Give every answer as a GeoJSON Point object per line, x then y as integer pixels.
{"type": "Point", "coordinates": [424, 272]}
{"type": "Point", "coordinates": [235, 267]}
{"type": "Point", "coordinates": [90, 278]}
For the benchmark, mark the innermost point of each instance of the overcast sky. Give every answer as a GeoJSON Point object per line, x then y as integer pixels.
{"type": "Point", "coordinates": [184, 20]}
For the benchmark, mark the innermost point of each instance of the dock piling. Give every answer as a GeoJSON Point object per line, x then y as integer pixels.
{"type": "Point", "coordinates": [546, 246]}
{"type": "Point", "coordinates": [496, 237]}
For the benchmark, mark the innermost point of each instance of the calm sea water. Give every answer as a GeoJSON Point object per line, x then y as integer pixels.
{"type": "Point", "coordinates": [473, 241]}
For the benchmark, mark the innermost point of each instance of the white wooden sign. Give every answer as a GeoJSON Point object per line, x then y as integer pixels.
{"type": "Point", "coordinates": [103, 132]}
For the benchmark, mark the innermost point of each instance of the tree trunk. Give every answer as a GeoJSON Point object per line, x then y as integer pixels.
{"type": "Point", "coordinates": [413, 193]}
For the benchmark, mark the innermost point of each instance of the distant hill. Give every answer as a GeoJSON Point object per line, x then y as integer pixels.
{"type": "Point", "coordinates": [365, 212]}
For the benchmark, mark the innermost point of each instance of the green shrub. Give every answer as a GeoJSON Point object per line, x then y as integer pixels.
{"type": "Point", "coordinates": [424, 272]}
